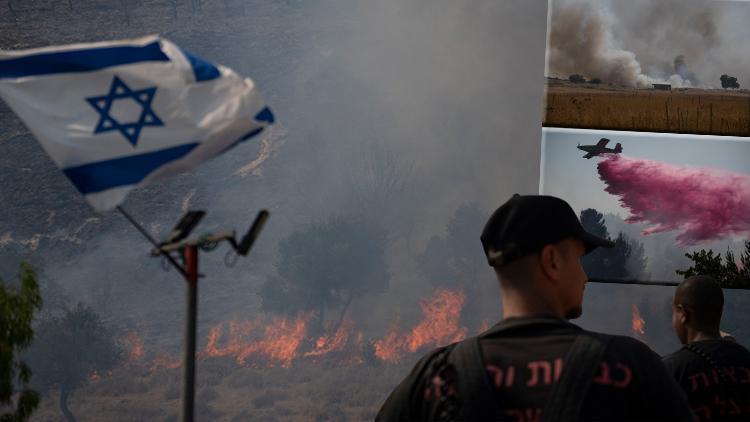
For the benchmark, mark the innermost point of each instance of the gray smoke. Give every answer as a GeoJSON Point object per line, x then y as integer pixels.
{"type": "Point", "coordinates": [639, 42]}
{"type": "Point", "coordinates": [404, 111]}
{"type": "Point", "coordinates": [681, 68]}
{"type": "Point", "coordinates": [581, 41]}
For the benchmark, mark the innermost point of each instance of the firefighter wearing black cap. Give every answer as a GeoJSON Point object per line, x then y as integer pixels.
{"type": "Point", "coordinates": [534, 365]}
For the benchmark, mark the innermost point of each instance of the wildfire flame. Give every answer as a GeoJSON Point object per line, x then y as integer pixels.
{"type": "Point", "coordinates": [334, 342]}
{"type": "Point", "coordinates": [440, 326]}
{"type": "Point", "coordinates": [280, 341]}
{"type": "Point", "coordinates": [135, 343]}
{"type": "Point", "coordinates": [164, 361]}
{"type": "Point", "coordinates": [639, 324]}
{"type": "Point", "coordinates": [277, 344]}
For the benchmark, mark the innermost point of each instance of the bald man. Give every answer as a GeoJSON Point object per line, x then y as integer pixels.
{"type": "Point", "coordinates": [713, 371]}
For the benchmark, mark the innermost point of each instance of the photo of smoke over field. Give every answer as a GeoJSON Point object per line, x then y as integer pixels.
{"type": "Point", "coordinates": [638, 43]}
{"type": "Point", "coordinates": [658, 66]}
{"type": "Point", "coordinates": [400, 127]}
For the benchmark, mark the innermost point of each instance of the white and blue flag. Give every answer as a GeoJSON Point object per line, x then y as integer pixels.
{"type": "Point", "coordinates": [119, 114]}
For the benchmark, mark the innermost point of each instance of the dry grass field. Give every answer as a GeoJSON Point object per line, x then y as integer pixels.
{"type": "Point", "coordinates": [681, 110]}
{"type": "Point", "coordinates": [226, 391]}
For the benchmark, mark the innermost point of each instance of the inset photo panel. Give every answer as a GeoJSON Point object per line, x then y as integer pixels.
{"type": "Point", "coordinates": [649, 65]}
{"type": "Point", "coordinates": [659, 196]}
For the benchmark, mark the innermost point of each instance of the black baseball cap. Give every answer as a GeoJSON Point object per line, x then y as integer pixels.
{"type": "Point", "coordinates": [526, 223]}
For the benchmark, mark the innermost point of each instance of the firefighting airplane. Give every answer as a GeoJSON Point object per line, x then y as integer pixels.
{"type": "Point", "coordinates": [600, 148]}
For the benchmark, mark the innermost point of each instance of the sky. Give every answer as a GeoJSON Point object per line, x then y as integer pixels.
{"type": "Point", "coordinates": [566, 173]}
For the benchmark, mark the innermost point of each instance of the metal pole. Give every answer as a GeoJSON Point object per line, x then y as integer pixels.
{"type": "Point", "coordinates": [188, 389]}
{"type": "Point", "coordinates": [151, 240]}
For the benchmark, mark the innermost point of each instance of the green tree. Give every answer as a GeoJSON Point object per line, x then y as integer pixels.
{"type": "Point", "coordinates": [594, 223]}
{"type": "Point", "coordinates": [625, 260]}
{"type": "Point", "coordinates": [577, 79]}
{"type": "Point", "coordinates": [724, 269]}
{"type": "Point", "coordinates": [17, 306]}
{"type": "Point", "coordinates": [325, 266]}
{"type": "Point", "coordinates": [455, 259]}
{"type": "Point", "coordinates": [69, 349]}
{"type": "Point", "coordinates": [729, 82]}
{"type": "Point", "coordinates": [637, 261]}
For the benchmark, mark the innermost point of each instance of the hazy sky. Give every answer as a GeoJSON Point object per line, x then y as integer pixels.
{"type": "Point", "coordinates": [423, 93]}
{"type": "Point", "coordinates": [567, 174]}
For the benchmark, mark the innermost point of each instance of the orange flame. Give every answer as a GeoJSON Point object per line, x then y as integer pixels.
{"type": "Point", "coordinates": [334, 342]}
{"type": "Point", "coordinates": [278, 342]}
{"type": "Point", "coordinates": [162, 360]}
{"type": "Point", "coordinates": [135, 343]}
{"type": "Point", "coordinates": [639, 324]}
{"type": "Point", "coordinates": [440, 326]}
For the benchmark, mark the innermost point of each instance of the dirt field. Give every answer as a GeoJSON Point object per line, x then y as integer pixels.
{"type": "Point", "coordinates": [681, 110]}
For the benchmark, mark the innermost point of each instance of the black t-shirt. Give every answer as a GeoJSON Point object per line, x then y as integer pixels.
{"type": "Point", "coordinates": [711, 396]}
{"type": "Point", "coordinates": [523, 358]}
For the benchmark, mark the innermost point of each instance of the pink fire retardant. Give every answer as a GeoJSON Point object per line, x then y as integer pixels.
{"type": "Point", "coordinates": [703, 204]}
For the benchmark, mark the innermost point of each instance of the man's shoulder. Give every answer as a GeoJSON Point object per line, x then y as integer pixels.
{"type": "Point", "coordinates": [676, 361]}
{"type": "Point", "coordinates": [625, 344]}
{"type": "Point", "coordinates": [405, 401]}
{"type": "Point", "coordinates": [734, 347]}
{"type": "Point", "coordinates": [627, 349]}
{"type": "Point", "coordinates": [721, 350]}
{"type": "Point", "coordinates": [430, 357]}
{"type": "Point", "coordinates": [678, 355]}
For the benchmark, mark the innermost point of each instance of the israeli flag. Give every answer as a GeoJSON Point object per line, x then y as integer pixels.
{"type": "Point", "coordinates": [119, 114]}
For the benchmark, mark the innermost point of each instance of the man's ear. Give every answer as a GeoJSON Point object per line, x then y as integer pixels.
{"type": "Point", "coordinates": [549, 260]}
{"type": "Point", "coordinates": [684, 314]}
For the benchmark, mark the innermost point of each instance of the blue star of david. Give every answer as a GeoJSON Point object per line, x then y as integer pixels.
{"type": "Point", "coordinates": [118, 91]}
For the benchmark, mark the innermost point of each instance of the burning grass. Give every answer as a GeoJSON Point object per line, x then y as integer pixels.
{"type": "Point", "coordinates": [699, 111]}
{"type": "Point", "coordinates": [270, 369]}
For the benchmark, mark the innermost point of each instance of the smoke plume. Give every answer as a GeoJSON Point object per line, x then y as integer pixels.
{"type": "Point", "coordinates": [640, 42]}
{"type": "Point", "coordinates": [581, 42]}
{"type": "Point", "coordinates": [702, 204]}
{"type": "Point", "coordinates": [681, 68]}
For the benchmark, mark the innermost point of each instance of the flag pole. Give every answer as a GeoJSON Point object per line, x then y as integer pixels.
{"type": "Point", "coordinates": [190, 273]}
